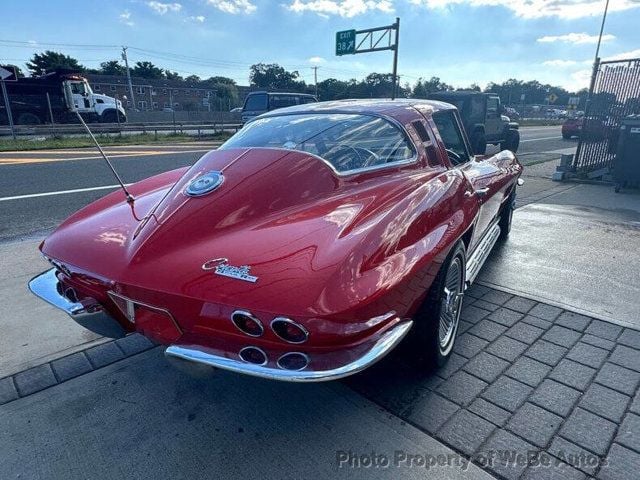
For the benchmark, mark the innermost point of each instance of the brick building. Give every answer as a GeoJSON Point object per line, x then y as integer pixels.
{"type": "Point", "coordinates": [158, 94]}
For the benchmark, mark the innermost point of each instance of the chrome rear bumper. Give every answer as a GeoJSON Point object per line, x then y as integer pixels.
{"type": "Point", "coordinates": [86, 312]}
{"type": "Point", "coordinates": [387, 341]}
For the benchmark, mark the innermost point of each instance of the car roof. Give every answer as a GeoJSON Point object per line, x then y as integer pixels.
{"type": "Point", "coordinates": [280, 93]}
{"type": "Point", "coordinates": [376, 106]}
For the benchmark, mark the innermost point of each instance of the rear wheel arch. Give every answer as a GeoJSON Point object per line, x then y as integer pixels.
{"type": "Point", "coordinates": [424, 341]}
{"type": "Point", "coordinates": [466, 237]}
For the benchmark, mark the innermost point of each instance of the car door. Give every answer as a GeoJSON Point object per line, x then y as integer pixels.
{"type": "Point", "coordinates": [81, 97]}
{"type": "Point", "coordinates": [482, 172]}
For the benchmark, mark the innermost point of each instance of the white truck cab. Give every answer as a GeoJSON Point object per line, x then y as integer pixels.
{"type": "Point", "coordinates": [101, 107]}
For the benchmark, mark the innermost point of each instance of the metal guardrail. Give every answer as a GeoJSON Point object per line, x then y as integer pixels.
{"type": "Point", "coordinates": [49, 130]}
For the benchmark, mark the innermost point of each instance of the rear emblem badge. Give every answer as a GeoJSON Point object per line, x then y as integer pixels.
{"type": "Point", "coordinates": [205, 183]}
{"type": "Point", "coordinates": [220, 266]}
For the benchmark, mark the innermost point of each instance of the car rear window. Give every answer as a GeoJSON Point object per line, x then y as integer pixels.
{"type": "Point", "coordinates": [348, 142]}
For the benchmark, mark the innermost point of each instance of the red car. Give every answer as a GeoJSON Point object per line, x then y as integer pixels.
{"type": "Point", "coordinates": [595, 128]}
{"type": "Point", "coordinates": [571, 128]}
{"type": "Point", "coordinates": [304, 249]}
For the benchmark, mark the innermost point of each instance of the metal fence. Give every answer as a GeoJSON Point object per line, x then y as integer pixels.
{"type": "Point", "coordinates": [196, 129]}
{"type": "Point", "coordinates": [614, 94]}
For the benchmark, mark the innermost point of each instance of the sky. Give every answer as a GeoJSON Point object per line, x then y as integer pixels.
{"type": "Point", "coordinates": [460, 41]}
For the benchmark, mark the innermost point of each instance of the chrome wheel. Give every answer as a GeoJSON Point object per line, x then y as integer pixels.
{"type": "Point", "coordinates": [451, 305]}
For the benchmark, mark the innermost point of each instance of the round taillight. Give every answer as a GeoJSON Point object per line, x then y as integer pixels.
{"type": "Point", "coordinates": [289, 331]}
{"type": "Point", "coordinates": [293, 361]}
{"type": "Point", "coordinates": [253, 355]}
{"type": "Point", "coordinates": [247, 323]}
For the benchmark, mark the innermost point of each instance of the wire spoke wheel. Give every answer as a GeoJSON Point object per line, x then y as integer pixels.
{"type": "Point", "coordinates": [451, 305]}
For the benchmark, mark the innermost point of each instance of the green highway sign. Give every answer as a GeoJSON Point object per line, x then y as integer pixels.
{"type": "Point", "coordinates": [346, 42]}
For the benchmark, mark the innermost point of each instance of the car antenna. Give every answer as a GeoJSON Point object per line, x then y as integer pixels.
{"type": "Point", "coordinates": [72, 107]}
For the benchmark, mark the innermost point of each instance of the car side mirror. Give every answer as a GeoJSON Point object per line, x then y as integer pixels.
{"type": "Point", "coordinates": [68, 97]}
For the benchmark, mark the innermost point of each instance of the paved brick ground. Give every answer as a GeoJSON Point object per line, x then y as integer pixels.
{"type": "Point", "coordinates": [525, 378]}
{"type": "Point", "coordinates": [528, 378]}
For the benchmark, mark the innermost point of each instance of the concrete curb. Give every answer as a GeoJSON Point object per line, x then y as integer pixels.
{"type": "Point", "coordinates": [57, 371]}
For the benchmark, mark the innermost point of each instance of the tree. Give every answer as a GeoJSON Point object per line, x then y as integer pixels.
{"type": "Point", "coordinates": [41, 63]}
{"type": "Point", "coordinates": [376, 85]}
{"type": "Point", "coordinates": [19, 72]}
{"type": "Point", "coordinates": [147, 70]}
{"type": "Point", "coordinates": [423, 88]}
{"type": "Point", "coordinates": [192, 79]}
{"type": "Point", "coordinates": [333, 89]}
{"type": "Point", "coordinates": [274, 77]}
{"type": "Point", "coordinates": [217, 79]}
{"type": "Point", "coordinates": [112, 67]}
{"type": "Point", "coordinates": [169, 75]}
{"type": "Point", "coordinates": [226, 93]}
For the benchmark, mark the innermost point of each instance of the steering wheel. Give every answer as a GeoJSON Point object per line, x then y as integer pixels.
{"type": "Point", "coordinates": [453, 156]}
{"type": "Point", "coordinates": [343, 157]}
{"type": "Point", "coordinates": [372, 158]}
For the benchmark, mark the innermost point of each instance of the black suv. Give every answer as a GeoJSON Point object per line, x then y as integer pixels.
{"type": "Point", "coordinates": [482, 115]}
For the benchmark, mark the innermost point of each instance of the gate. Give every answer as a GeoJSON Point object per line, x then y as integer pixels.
{"type": "Point", "coordinates": [614, 94]}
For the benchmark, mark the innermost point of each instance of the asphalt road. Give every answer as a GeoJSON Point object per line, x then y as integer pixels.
{"type": "Point", "coordinates": [34, 185]}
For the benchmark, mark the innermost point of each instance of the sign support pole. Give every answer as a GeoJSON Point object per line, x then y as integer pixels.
{"type": "Point", "coordinates": [394, 91]}
{"type": "Point", "coordinates": [8, 107]}
{"type": "Point", "coordinates": [372, 40]}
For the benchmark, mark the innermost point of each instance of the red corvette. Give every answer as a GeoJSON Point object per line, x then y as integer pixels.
{"type": "Point", "coordinates": [304, 249]}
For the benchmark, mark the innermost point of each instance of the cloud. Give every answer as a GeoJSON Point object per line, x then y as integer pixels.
{"type": "Point", "coordinates": [566, 63]}
{"type": "Point", "coordinates": [125, 17]}
{"type": "Point", "coordinates": [343, 8]}
{"type": "Point", "coordinates": [582, 78]}
{"type": "Point", "coordinates": [624, 55]}
{"type": "Point", "coordinates": [575, 38]}
{"type": "Point", "coordinates": [529, 9]}
{"type": "Point", "coordinates": [560, 63]}
{"type": "Point", "coordinates": [316, 60]}
{"type": "Point", "coordinates": [233, 6]}
{"type": "Point", "coordinates": [197, 18]}
{"type": "Point", "coordinates": [162, 8]}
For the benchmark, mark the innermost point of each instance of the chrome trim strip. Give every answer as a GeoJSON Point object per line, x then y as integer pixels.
{"type": "Point", "coordinates": [383, 346]}
{"type": "Point", "coordinates": [481, 253]}
{"type": "Point", "coordinates": [87, 312]}
{"type": "Point", "coordinates": [252, 317]}
{"type": "Point", "coordinates": [288, 320]}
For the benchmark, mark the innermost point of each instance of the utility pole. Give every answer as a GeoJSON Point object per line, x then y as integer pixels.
{"type": "Point", "coordinates": [592, 84]}
{"type": "Point", "coordinates": [315, 78]}
{"type": "Point", "coordinates": [126, 64]}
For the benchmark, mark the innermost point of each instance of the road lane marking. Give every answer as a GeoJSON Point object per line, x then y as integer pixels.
{"type": "Point", "coordinates": [111, 148]}
{"type": "Point", "coordinates": [60, 192]}
{"type": "Point", "coordinates": [540, 139]}
{"type": "Point", "coordinates": [28, 160]}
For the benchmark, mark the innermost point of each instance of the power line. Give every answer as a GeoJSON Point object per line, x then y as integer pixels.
{"type": "Point", "coordinates": [41, 44]}
{"type": "Point", "coordinates": [229, 65]}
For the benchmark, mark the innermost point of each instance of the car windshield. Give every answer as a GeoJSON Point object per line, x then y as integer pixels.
{"type": "Point", "coordinates": [348, 142]}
